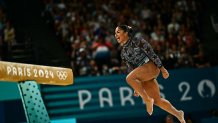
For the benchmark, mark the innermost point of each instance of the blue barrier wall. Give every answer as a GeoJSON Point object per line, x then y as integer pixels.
{"type": "Point", "coordinates": [109, 97]}
{"type": "Point", "coordinates": [9, 91]}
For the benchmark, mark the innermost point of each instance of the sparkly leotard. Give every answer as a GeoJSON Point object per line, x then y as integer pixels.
{"type": "Point", "coordinates": [137, 51]}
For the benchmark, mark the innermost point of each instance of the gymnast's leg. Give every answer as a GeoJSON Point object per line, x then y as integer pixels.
{"type": "Point", "coordinates": [153, 91]}
{"type": "Point", "coordinates": [136, 85]}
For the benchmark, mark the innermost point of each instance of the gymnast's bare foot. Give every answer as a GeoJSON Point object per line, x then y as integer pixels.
{"type": "Point", "coordinates": [149, 105]}
{"type": "Point", "coordinates": [181, 117]}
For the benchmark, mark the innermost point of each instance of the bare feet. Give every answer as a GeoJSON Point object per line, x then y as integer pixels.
{"type": "Point", "coordinates": [149, 105]}
{"type": "Point", "coordinates": [181, 117]}
{"type": "Point", "coordinates": [136, 94]}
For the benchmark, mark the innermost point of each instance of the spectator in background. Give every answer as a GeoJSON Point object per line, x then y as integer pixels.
{"type": "Point", "coordinates": [157, 37]}
{"type": "Point", "coordinates": [102, 52]}
{"type": "Point", "coordinates": [146, 13]}
{"type": "Point", "coordinates": [9, 35]}
{"type": "Point", "coordinates": [201, 60]}
{"type": "Point", "coordinates": [75, 46]}
{"type": "Point", "coordinates": [184, 60]}
{"type": "Point", "coordinates": [173, 26]}
{"type": "Point", "coordinates": [83, 62]}
{"type": "Point", "coordinates": [93, 68]}
{"type": "Point", "coordinates": [169, 119]}
{"type": "Point", "coordinates": [189, 119]}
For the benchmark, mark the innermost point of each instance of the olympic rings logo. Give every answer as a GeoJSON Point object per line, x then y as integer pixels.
{"type": "Point", "coordinates": [62, 75]}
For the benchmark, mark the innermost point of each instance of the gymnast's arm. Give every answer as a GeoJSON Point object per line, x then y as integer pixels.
{"type": "Point", "coordinates": [153, 57]}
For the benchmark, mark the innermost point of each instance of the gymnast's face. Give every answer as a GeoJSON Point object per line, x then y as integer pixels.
{"type": "Point", "coordinates": [121, 36]}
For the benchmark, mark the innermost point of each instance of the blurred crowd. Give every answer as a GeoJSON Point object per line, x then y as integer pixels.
{"type": "Point", "coordinates": [85, 29]}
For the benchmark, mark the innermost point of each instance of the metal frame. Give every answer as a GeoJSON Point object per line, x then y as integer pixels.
{"type": "Point", "coordinates": [33, 104]}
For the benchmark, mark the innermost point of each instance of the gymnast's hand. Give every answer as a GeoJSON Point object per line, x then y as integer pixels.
{"type": "Point", "coordinates": [164, 72]}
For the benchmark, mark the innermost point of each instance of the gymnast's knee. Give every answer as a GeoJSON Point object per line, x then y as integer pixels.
{"type": "Point", "coordinates": [129, 79]}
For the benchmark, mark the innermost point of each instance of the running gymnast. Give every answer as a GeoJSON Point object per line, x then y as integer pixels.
{"type": "Point", "coordinates": [144, 67]}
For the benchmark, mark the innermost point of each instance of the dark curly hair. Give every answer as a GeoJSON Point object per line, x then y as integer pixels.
{"type": "Point", "coordinates": [127, 29]}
